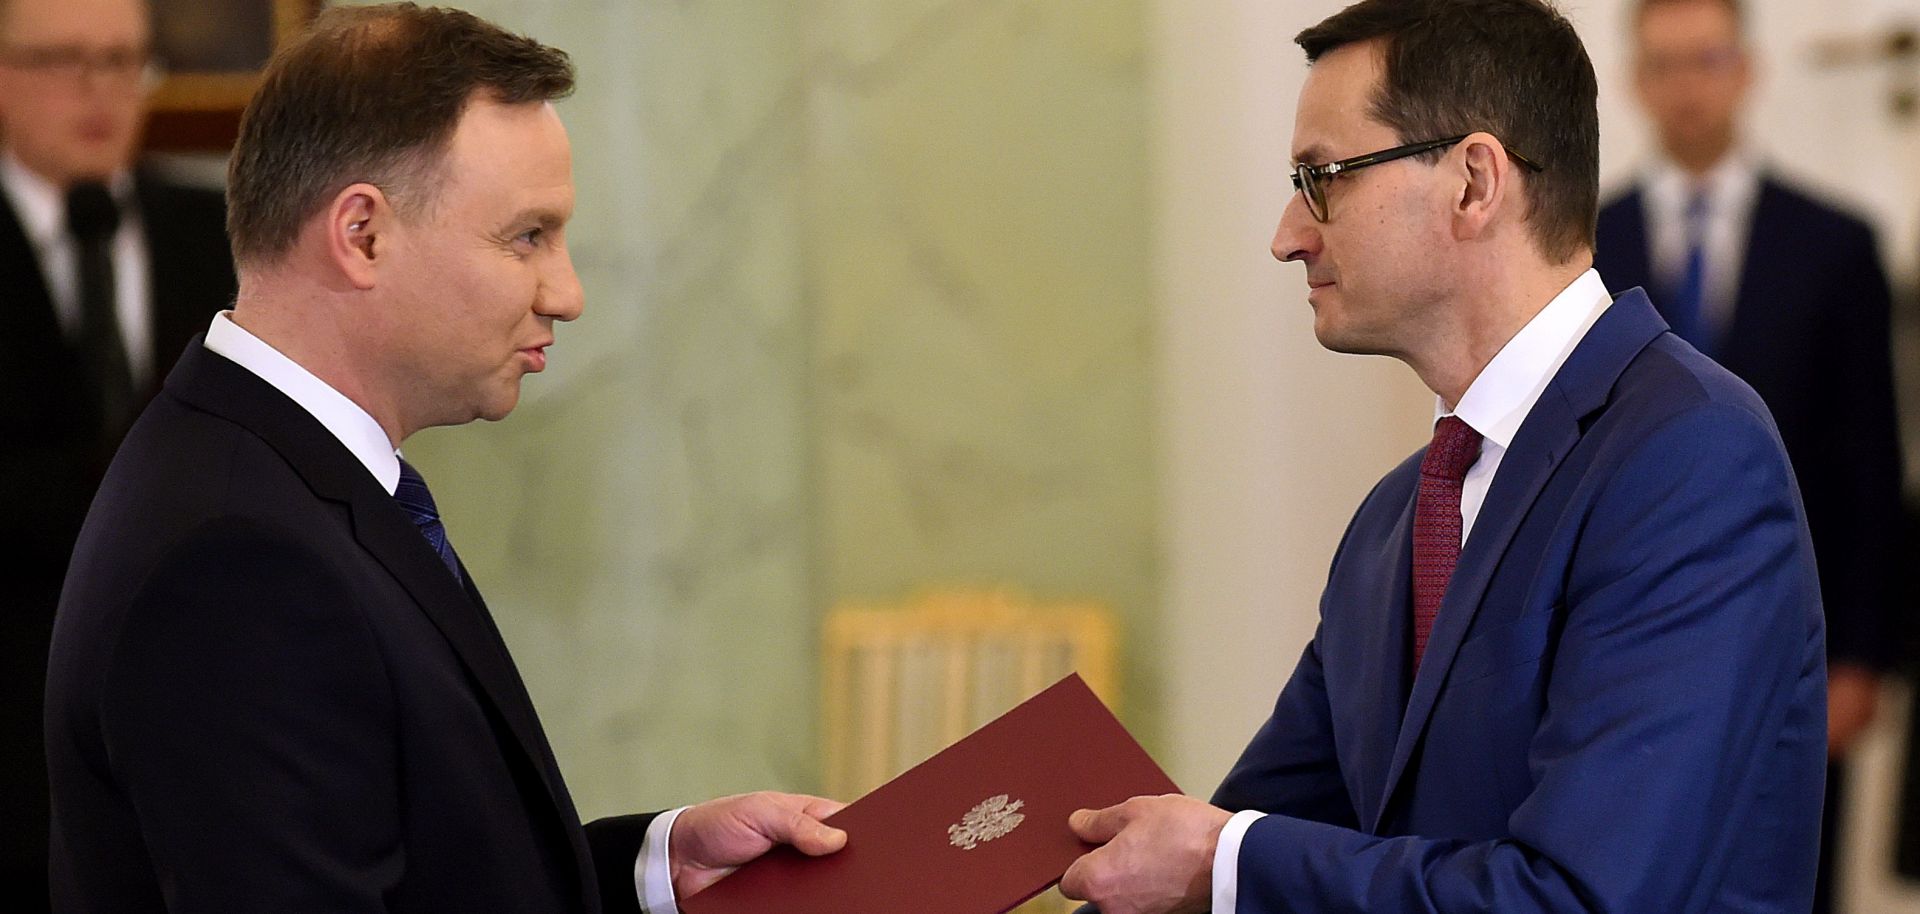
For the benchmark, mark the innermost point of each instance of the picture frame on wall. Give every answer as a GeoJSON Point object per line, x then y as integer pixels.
{"type": "Point", "coordinates": [211, 54]}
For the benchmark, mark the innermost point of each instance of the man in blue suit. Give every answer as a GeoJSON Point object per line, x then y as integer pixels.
{"type": "Point", "coordinates": [1788, 293]}
{"type": "Point", "coordinates": [1571, 656]}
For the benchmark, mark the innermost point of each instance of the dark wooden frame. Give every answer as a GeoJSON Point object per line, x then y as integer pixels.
{"type": "Point", "coordinates": [200, 112]}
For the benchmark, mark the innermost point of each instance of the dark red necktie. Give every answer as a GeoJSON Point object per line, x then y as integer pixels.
{"type": "Point", "coordinates": [1436, 522]}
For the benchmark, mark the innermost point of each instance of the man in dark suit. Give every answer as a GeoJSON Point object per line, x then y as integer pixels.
{"type": "Point", "coordinates": [108, 271]}
{"type": "Point", "coordinates": [273, 685]}
{"type": "Point", "coordinates": [1571, 656]}
{"type": "Point", "coordinates": [1788, 293]}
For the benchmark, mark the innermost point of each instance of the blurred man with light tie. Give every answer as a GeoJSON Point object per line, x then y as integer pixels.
{"type": "Point", "coordinates": [1788, 292]}
{"type": "Point", "coordinates": [107, 271]}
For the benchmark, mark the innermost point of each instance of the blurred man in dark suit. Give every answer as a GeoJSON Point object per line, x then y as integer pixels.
{"type": "Point", "coordinates": [108, 270]}
{"type": "Point", "coordinates": [1789, 293]}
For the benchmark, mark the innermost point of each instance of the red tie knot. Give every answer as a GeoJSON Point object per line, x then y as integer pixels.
{"type": "Point", "coordinates": [1454, 448]}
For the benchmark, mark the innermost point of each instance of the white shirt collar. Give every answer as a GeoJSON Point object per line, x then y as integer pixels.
{"type": "Point", "coordinates": [41, 206]}
{"type": "Point", "coordinates": [344, 418]}
{"type": "Point", "coordinates": [1498, 400]}
{"type": "Point", "coordinates": [1729, 184]}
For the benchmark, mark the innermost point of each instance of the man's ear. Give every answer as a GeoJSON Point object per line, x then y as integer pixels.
{"type": "Point", "coordinates": [1485, 179]}
{"type": "Point", "coordinates": [359, 223]}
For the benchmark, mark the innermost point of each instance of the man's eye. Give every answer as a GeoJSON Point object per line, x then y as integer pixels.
{"type": "Point", "coordinates": [531, 237]}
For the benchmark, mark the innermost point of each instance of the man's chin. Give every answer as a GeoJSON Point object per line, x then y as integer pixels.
{"type": "Point", "coordinates": [500, 406]}
{"type": "Point", "coordinates": [95, 160]}
{"type": "Point", "coordinates": [1346, 341]}
{"type": "Point", "coordinates": [1331, 336]}
{"type": "Point", "coordinates": [73, 167]}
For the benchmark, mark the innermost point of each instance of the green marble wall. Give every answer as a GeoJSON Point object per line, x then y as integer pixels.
{"type": "Point", "coordinates": [977, 216]}
{"type": "Point", "coordinates": [868, 311]}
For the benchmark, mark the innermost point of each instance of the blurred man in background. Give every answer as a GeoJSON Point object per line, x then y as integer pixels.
{"type": "Point", "coordinates": [1789, 293]}
{"type": "Point", "coordinates": [107, 271]}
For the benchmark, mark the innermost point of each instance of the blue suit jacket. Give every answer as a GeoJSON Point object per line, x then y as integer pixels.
{"type": "Point", "coordinates": [1622, 705]}
{"type": "Point", "coordinates": [1809, 331]}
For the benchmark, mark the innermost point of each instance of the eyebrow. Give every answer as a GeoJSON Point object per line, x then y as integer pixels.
{"type": "Point", "coordinates": [1311, 155]}
{"type": "Point", "coordinates": [545, 217]}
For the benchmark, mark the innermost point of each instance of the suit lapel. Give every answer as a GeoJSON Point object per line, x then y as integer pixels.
{"type": "Point", "coordinates": [212, 383]}
{"type": "Point", "coordinates": [29, 306]}
{"type": "Point", "coordinates": [1635, 254]}
{"type": "Point", "coordinates": [1764, 265]}
{"type": "Point", "coordinates": [392, 539]}
{"type": "Point", "coordinates": [1550, 431]}
{"type": "Point", "coordinates": [390, 536]}
{"type": "Point", "coordinates": [1382, 676]}
{"type": "Point", "coordinates": [1543, 440]}
{"type": "Point", "coordinates": [163, 289]}
{"type": "Point", "coordinates": [189, 270]}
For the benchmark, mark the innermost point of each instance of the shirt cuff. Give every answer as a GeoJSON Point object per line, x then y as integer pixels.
{"type": "Point", "coordinates": [1226, 860]}
{"type": "Point", "coordinates": [653, 873]}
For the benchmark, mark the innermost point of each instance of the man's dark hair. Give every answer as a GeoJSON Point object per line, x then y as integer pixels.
{"type": "Point", "coordinates": [1512, 68]}
{"type": "Point", "coordinates": [370, 94]}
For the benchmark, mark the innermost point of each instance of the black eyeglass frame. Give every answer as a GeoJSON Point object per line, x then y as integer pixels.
{"type": "Point", "coordinates": [1310, 181]}
{"type": "Point", "coordinates": [121, 64]}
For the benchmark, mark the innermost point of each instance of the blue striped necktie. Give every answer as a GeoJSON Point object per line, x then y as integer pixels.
{"type": "Point", "coordinates": [1687, 309]}
{"type": "Point", "coordinates": [412, 495]}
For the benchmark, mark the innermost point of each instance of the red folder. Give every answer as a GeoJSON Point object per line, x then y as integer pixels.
{"type": "Point", "coordinates": [977, 829]}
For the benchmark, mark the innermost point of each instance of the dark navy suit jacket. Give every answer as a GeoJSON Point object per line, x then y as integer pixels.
{"type": "Point", "coordinates": [266, 693]}
{"type": "Point", "coordinates": [1622, 706]}
{"type": "Point", "coordinates": [1809, 332]}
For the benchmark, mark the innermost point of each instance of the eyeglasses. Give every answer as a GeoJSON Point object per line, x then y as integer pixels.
{"type": "Point", "coordinates": [1310, 181]}
{"type": "Point", "coordinates": [1718, 61]}
{"type": "Point", "coordinates": [121, 67]}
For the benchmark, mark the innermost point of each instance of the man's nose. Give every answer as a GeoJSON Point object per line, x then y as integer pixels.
{"type": "Point", "coordinates": [561, 296]}
{"type": "Point", "coordinates": [1298, 235]}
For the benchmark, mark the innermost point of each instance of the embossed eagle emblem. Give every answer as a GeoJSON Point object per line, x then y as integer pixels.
{"type": "Point", "coordinates": [993, 818]}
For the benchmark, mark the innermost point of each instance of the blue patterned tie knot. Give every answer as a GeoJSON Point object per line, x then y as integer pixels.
{"type": "Point", "coordinates": [412, 495]}
{"type": "Point", "coordinates": [1688, 305]}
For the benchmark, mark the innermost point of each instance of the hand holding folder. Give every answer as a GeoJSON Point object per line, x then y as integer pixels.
{"type": "Point", "coordinates": [977, 829]}
{"type": "Point", "coordinates": [1155, 855]}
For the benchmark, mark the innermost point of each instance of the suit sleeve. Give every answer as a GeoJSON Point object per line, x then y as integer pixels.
{"type": "Point", "coordinates": [1290, 767]}
{"type": "Point", "coordinates": [248, 715]}
{"type": "Point", "coordinates": [1859, 459]}
{"type": "Point", "coordinates": [1691, 657]}
{"type": "Point", "coordinates": [616, 844]}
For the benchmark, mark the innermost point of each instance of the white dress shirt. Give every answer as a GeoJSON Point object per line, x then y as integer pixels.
{"type": "Point", "coordinates": [1731, 188]}
{"type": "Point", "coordinates": [42, 209]}
{"type": "Point", "coordinates": [352, 425]}
{"type": "Point", "coordinates": [1505, 391]}
{"type": "Point", "coordinates": [360, 434]}
{"type": "Point", "coordinates": [1495, 405]}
